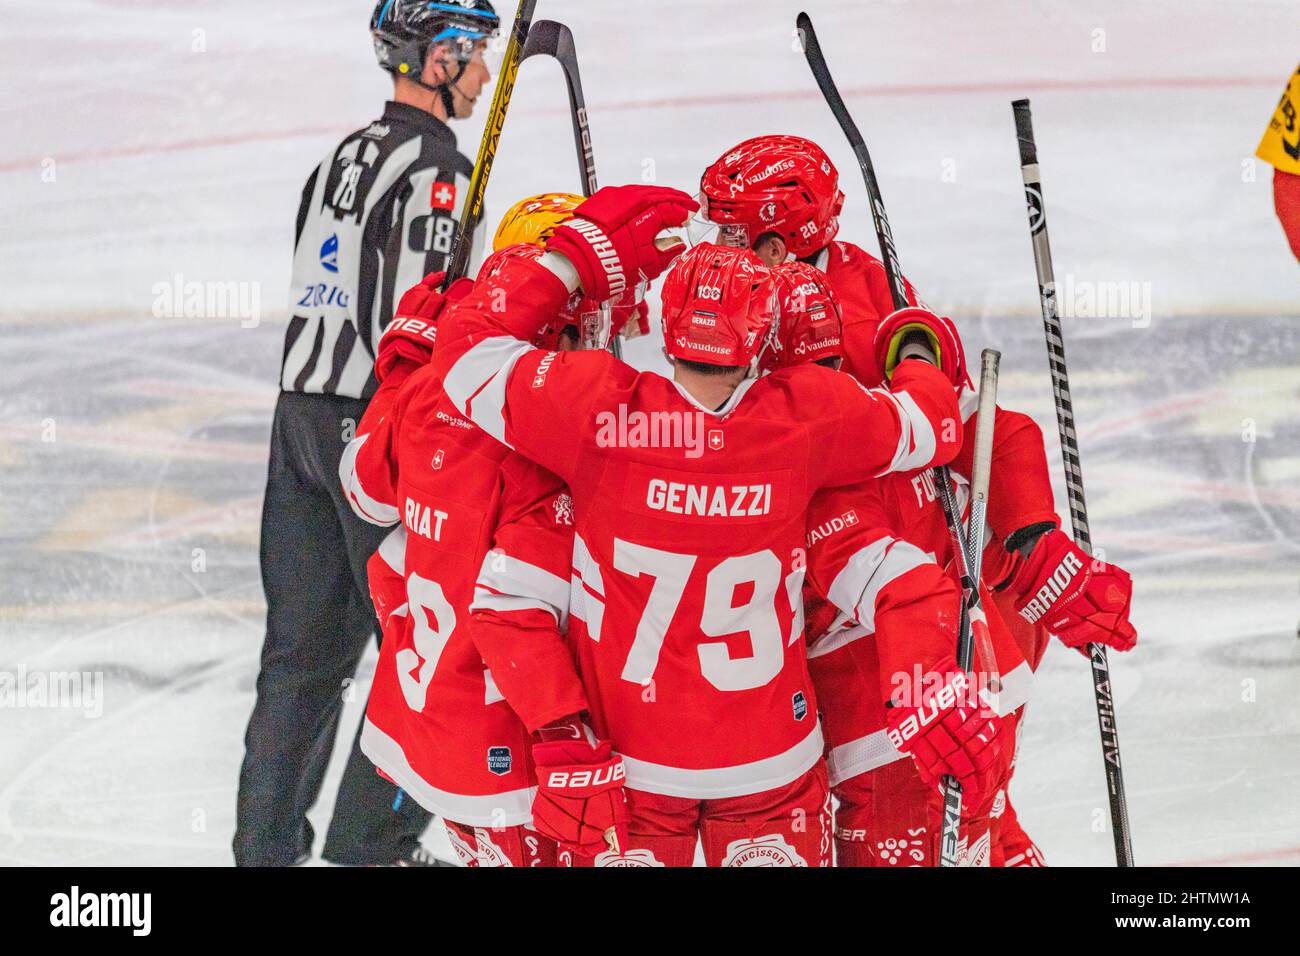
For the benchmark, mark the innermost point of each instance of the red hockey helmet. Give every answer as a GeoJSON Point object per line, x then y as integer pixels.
{"type": "Point", "coordinates": [809, 326]}
{"type": "Point", "coordinates": [781, 184]}
{"type": "Point", "coordinates": [718, 305]}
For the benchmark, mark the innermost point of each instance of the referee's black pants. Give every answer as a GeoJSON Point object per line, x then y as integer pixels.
{"type": "Point", "coordinates": [319, 618]}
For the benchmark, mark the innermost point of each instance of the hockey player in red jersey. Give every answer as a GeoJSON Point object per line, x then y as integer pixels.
{"type": "Point", "coordinates": [882, 622]}
{"type": "Point", "coordinates": [690, 499]}
{"type": "Point", "coordinates": [436, 723]}
{"type": "Point", "coordinates": [780, 196]}
{"type": "Point", "coordinates": [882, 625]}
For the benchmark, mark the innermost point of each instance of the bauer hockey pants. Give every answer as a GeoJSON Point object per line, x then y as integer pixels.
{"type": "Point", "coordinates": [319, 619]}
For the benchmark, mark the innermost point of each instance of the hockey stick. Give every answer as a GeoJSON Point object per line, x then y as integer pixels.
{"type": "Point", "coordinates": [549, 38]}
{"type": "Point", "coordinates": [1073, 470]}
{"type": "Point", "coordinates": [979, 492]}
{"type": "Point", "coordinates": [898, 289]}
{"type": "Point", "coordinates": [553, 39]}
{"type": "Point", "coordinates": [990, 360]}
{"type": "Point", "coordinates": [472, 212]}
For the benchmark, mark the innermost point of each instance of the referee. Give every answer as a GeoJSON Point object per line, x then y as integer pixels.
{"type": "Point", "coordinates": [376, 216]}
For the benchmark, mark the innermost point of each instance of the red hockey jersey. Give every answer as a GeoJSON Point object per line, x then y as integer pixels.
{"type": "Point", "coordinates": [875, 554]}
{"type": "Point", "coordinates": [686, 615]}
{"type": "Point", "coordinates": [436, 723]}
{"type": "Point", "coordinates": [1020, 490]}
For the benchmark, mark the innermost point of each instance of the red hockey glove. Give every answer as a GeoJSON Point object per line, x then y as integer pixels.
{"type": "Point", "coordinates": [580, 801]}
{"type": "Point", "coordinates": [610, 239]}
{"type": "Point", "coordinates": [630, 321]}
{"type": "Point", "coordinates": [949, 731]}
{"type": "Point", "coordinates": [1079, 599]}
{"type": "Point", "coordinates": [409, 337]}
{"type": "Point", "coordinates": [939, 332]}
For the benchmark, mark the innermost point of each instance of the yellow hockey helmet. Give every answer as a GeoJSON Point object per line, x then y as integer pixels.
{"type": "Point", "coordinates": [534, 219]}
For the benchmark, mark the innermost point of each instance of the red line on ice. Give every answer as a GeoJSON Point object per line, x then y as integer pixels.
{"type": "Point", "coordinates": [1014, 87]}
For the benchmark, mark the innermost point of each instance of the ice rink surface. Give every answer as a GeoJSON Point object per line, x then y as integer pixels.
{"type": "Point", "coordinates": [169, 142]}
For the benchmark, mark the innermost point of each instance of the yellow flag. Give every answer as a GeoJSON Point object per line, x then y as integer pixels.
{"type": "Point", "coordinates": [1280, 147]}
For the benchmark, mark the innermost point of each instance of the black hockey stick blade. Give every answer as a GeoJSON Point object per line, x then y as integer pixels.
{"type": "Point", "coordinates": [543, 39]}
{"type": "Point", "coordinates": [553, 39]}
{"type": "Point", "coordinates": [812, 51]}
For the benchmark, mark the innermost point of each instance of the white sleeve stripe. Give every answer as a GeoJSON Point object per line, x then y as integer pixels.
{"type": "Point", "coordinates": [491, 693]}
{"type": "Point", "coordinates": [506, 574]}
{"type": "Point", "coordinates": [916, 440]}
{"type": "Point", "coordinates": [366, 507]}
{"type": "Point", "coordinates": [859, 583]}
{"type": "Point", "coordinates": [836, 638]}
{"type": "Point", "coordinates": [392, 550]}
{"type": "Point", "coordinates": [586, 572]}
{"type": "Point", "coordinates": [485, 600]}
{"type": "Point", "coordinates": [1015, 687]}
{"type": "Point", "coordinates": [476, 384]}
{"type": "Point", "coordinates": [851, 582]}
{"type": "Point", "coordinates": [576, 608]}
{"type": "Point", "coordinates": [968, 402]}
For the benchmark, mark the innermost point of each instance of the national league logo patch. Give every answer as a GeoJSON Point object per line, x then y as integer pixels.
{"type": "Point", "coordinates": [498, 760]}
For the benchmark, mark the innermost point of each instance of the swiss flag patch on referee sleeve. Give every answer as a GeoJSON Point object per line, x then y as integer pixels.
{"type": "Point", "coordinates": [443, 196]}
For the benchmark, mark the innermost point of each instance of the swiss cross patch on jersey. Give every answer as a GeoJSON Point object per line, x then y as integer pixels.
{"type": "Point", "coordinates": [443, 196]}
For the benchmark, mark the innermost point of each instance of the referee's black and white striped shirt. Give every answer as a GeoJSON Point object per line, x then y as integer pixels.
{"type": "Point", "coordinates": [377, 215]}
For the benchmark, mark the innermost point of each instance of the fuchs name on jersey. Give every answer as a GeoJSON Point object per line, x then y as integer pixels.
{"type": "Point", "coordinates": [709, 501]}
{"type": "Point", "coordinates": [424, 520]}
{"type": "Point", "coordinates": [1056, 585]}
{"type": "Point", "coordinates": [923, 485]}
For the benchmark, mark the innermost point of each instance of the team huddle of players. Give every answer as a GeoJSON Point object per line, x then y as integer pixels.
{"type": "Point", "coordinates": [625, 615]}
